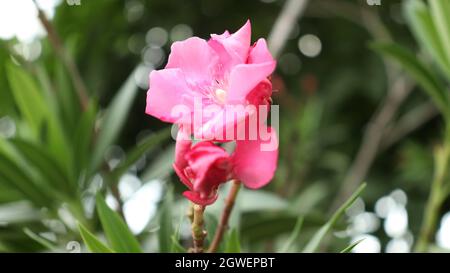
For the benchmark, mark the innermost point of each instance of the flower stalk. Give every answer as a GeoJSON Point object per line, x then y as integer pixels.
{"type": "Point", "coordinates": [198, 232]}
{"type": "Point", "coordinates": [223, 225]}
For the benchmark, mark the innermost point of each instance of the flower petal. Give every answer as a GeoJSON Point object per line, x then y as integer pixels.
{"type": "Point", "coordinates": [260, 53]}
{"type": "Point", "coordinates": [195, 197]}
{"type": "Point", "coordinates": [166, 91]}
{"type": "Point", "coordinates": [254, 163]}
{"type": "Point", "coordinates": [245, 77]}
{"type": "Point", "coordinates": [238, 43]}
{"type": "Point", "coordinates": [195, 58]}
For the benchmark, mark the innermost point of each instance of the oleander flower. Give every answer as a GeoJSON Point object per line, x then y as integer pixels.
{"type": "Point", "coordinates": [204, 166]}
{"type": "Point", "coordinates": [207, 78]}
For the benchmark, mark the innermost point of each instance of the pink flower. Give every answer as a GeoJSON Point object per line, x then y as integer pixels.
{"type": "Point", "coordinates": [203, 167]}
{"type": "Point", "coordinates": [221, 72]}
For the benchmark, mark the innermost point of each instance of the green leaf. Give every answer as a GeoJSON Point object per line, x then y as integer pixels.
{"type": "Point", "coordinates": [84, 138]}
{"type": "Point", "coordinates": [176, 247]}
{"type": "Point", "coordinates": [260, 200]}
{"type": "Point", "coordinates": [232, 244]}
{"type": "Point", "coordinates": [419, 72]}
{"type": "Point", "coordinates": [35, 111]}
{"type": "Point", "coordinates": [440, 13]}
{"type": "Point", "coordinates": [294, 235]}
{"type": "Point", "coordinates": [50, 169]}
{"type": "Point", "coordinates": [15, 177]}
{"type": "Point", "coordinates": [119, 236]}
{"type": "Point", "coordinates": [166, 226]}
{"type": "Point", "coordinates": [114, 119]}
{"type": "Point", "coordinates": [351, 246]}
{"type": "Point", "coordinates": [421, 22]}
{"type": "Point", "coordinates": [162, 166]}
{"type": "Point", "coordinates": [42, 241]}
{"type": "Point", "coordinates": [142, 148]}
{"type": "Point", "coordinates": [92, 242]}
{"type": "Point", "coordinates": [315, 241]}
{"type": "Point", "coordinates": [28, 98]}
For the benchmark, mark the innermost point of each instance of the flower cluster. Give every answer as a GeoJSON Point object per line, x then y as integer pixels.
{"type": "Point", "coordinates": [209, 89]}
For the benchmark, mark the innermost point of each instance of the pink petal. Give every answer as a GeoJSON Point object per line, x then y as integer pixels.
{"type": "Point", "coordinates": [195, 58]}
{"type": "Point", "coordinates": [238, 43]}
{"type": "Point", "coordinates": [195, 197]}
{"type": "Point", "coordinates": [245, 77]}
{"type": "Point", "coordinates": [201, 160]}
{"type": "Point", "coordinates": [166, 89]}
{"type": "Point", "coordinates": [260, 53]}
{"type": "Point", "coordinates": [183, 178]}
{"type": "Point", "coordinates": [182, 147]}
{"type": "Point", "coordinates": [253, 166]}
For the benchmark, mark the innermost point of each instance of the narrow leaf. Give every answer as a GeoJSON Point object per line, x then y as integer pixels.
{"type": "Point", "coordinates": [119, 236]}
{"type": "Point", "coordinates": [315, 241]}
{"type": "Point", "coordinates": [351, 246]}
{"type": "Point", "coordinates": [232, 244]}
{"type": "Point", "coordinates": [166, 226]}
{"type": "Point", "coordinates": [419, 72]}
{"type": "Point", "coordinates": [294, 235]}
{"type": "Point", "coordinates": [114, 119]}
{"type": "Point", "coordinates": [92, 242]}
{"type": "Point", "coordinates": [142, 148]}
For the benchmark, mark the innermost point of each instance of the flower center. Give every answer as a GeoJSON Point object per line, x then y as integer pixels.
{"type": "Point", "coordinates": [221, 95]}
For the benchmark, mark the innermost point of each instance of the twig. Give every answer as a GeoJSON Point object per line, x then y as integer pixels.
{"type": "Point", "coordinates": [284, 25]}
{"type": "Point", "coordinates": [436, 198]}
{"type": "Point", "coordinates": [223, 225]}
{"type": "Point", "coordinates": [408, 123]}
{"type": "Point", "coordinates": [198, 233]}
{"type": "Point", "coordinates": [74, 73]}
{"type": "Point", "coordinates": [398, 90]}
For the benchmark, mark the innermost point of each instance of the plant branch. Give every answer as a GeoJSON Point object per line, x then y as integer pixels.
{"type": "Point", "coordinates": [223, 225]}
{"type": "Point", "coordinates": [398, 90]}
{"type": "Point", "coordinates": [67, 60]}
{"type": "Point", "coordinates": [283, 26]}
{"type": "Point", "coordinates": [408, 123]}
{"type": "Point", "coordinates": [436, 198]}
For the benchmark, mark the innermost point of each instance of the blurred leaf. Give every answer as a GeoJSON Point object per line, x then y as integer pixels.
{"type": "Point", "coordinates": [27, 96]}
{"type": "Point", "coordinates": [68, 101]}
{"type": "Point", "coordinates": [211, 223]}
{"type": "Point", "coordinates": [35, 111]}
{"type": "Point", "coordinates": [294, 235]}
{"type": "Point", "coordinates": [142, 148]}
{"type": "Point", "coordinates": [308, 199]}
{"type": "Point", "coordinates": [440, 13]}
{"type": "Point", "coordinates": [161, 167]}
{"type": "Point", "coordinates": [422, 25]}
{"type": "Point", "coordinates": [420, 73]}
{"type": "Point", "coordinates": [84, 133]}
{"type": "Point", "coordinates": [165, 221]}
{"type": "Point", "coordinates": [351, 246]}
{"type": "Point", "coordinates": [16, 178]}
{"type": "Point", "coordinates": [114, 119]}
{"type": "Point", "coordinates": [176, 247]}
{"type": "Point", "coordinates": [232, 243]}
{"type": "Point", "coordinates": [315, 241]}
{"type": "Point", "coordinates": [42, 241]}
{"type": "Point", "coordinates": [119, 236]}
{"type": "Point", "coordinates": [19, 212]}
{"type": "Point", "coordinates": [260, 200]}
{"type": "Point", "coordinates": [50, 169]}
{"type": "Point", "coordinates": [93, 243]}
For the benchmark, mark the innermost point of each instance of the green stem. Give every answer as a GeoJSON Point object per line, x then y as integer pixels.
{"type": "Point", "coordinates": [198, 232]}
{"type": "Point", "coordinates": [436, 198]}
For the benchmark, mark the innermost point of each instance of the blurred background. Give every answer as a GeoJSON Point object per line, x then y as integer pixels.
{"type": "Point", "coordinates": [73, 83]}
